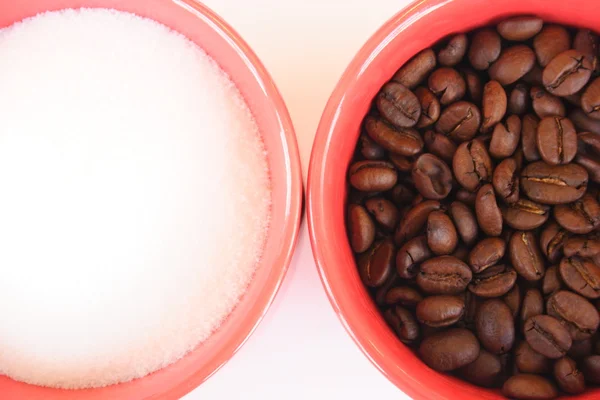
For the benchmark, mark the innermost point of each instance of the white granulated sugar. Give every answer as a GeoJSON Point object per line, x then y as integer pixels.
{"type": "Point", "coordinates": [134, 198]}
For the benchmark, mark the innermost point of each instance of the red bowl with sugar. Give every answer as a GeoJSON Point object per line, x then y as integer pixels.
{"type": "Point", "coordinates": [418, 26]}
{"type": "Point", "coordinates": [233, 55]}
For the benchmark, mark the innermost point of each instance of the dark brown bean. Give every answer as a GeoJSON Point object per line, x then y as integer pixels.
{"type": "Point", "coordinates": [402, 163]}
{"type": "Point", "coordinates": [440, 311]}
{"type": "Point", "coordinates": [568, 72]}
{"type": "Point", "coordinates": [410, 255]}
{"type": "Point", "coordinates": [465, 222]}
{"type": "Point", "coordinates": [551, 283]}
{"type": "Point", "coordinates": [586, 42]}
{"type": "Point", "coordinates": [529, 126]}
{"type": "Point", "coordinates": [583, 246]}
{"type": "Point", "coordinates": [533, 304]}
{"type": "Point", "coordinates": [430, 107]}
{"type": "Point", "coordinates": [513, 300]}
{"type": "Point", "coordinates": [506, 137]}
{"type": "Point", "coordinates": [466, 197]}
{"type": "Point", "coordinates": [547, 336]}
{"type": "Point", "coordinates": [447, 84]}
{"type": "Point", "coordinates": [486, 253]}
{"type": "Point", "coordinates": [375, 265]}
{"type": "Point", "coordinates": [583, 122]}
{"type": "Point", "coordinates": [589, 141]}
{"type": "Point", "coordinates": [487, 211]}
{"type": "Point", "coordinates": [454, 51]}
{"type": "Point", "coordinates": [554, 184]}
{"type": "Point", "coordinates": [494, 105]}
{"type": "Point", "coordinates": [398, 105]}
{"type": "Point", "coordinates": [440, 145]}
{"type": "Point", "coordinates": [525, 256]}
{"type": "Point", "coordinates": [591, 369]}
{"type": "Point", "coordinates": [546, 104]}
{"type": "Point", "coordinates": [444, 275]}
{"type": "Point", "coordinates": [591, 165]}
{"type": "Point", "coordinates": [401, 194]}
{"type": "Point", "coordinates": [506, 180]}
{"type": "Point", "coordinates": [529, 361]}
{"type": "Point", "coordinates": [404, 296]}
{"type": "Point", "coordinates": [485, 49]}
{"type": "Point", "coordinates": [416, 69]}
{"type": "Point", "coordinates": [402, 141]}
{"type": "Point", "coordinates": [414, 221]}
{"type": "Point", "coordinates": [369, 149]}
{"type": "Point", "coordinates": [382, 290]}
{"type": "Point", "coordinates": [360, 227]}
{"type": "Point", "coordinates": [575, 312]}
{"type": "Point", "coordinates": [495, 326]}
{"type": "Point", "coordinates": [373, 176]}
{"type": "Point", "coordinates": [432, 177]}
{"type": "Point", "coordinates": [474, 85]}
{"type": "Point", "coordinates": [403, 323]}
{"type": "Point", "coordinates": [568, 377]}
{"type": "Point", "coordinates": [581, 349]}
{"type": "Point", "coordinates": [518, 100]}
{"type": "Point", "coordinates": [461, 252]}
{"type": "Point", "coordinates": [581, 275]}
{"type": "Point", "coordinates": [384, 212]}
{"type": "Point", "coordinates": [552, 240]}
{"type": "Point", "coordinates": [485, 371]}
{"type": "Point", "coordinates": [525, 214]}
{"type": "Point", "coordinates": [459, 121]}
{"type": "Point", "coordinates": [550, 42]}
{"type": "Point", "coordinates": [472, 165]}
{"type": "Point", "coordinates": [495, 281]}
{"type": "Point", "coordinates": [581, 216]}
{"type": "Point", "coordinates": [534, 77]}
{"type": "Point", "coordinates": [556, 140]}
{"type": "Point", "coordinates": [528, 386]}
{"type": "Point", "coordinates": [442, 237]}
{"type": "Point", "coordinates": [590, 100]}
{"type": "Point", "coordinates": [520, 28]}
{"type": "Point", "coordinates": [514, 62]}
{"type": "Point", "coordinates": [450, 349]}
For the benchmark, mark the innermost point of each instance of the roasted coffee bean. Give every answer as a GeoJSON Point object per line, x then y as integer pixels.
{"type": "Point", "coordinates": [591, 369]}
{"type": "Point", "coordinates": [590, 141]}
{"type": "Point", "coordinates": [416, 69]}
{"type": "Point", "coordinates": [525, 214]}
{"type": "Point", "coordinates": [520, 28]}
{"type": "Point", "coordinates": [487, 211]}
{"type": "Point", "coordinates": [534, 77]}
{"type": "Point", "coordinates": [518, 101]}
{"type": "Point", "coordinates": [590, 100]}
{"type": "Point", "coordinates": [528, 386]}
{"type": "Point", "coordinates": [382, 290]}
{"type": "Point", "coordinates": [556, 140]}
{"type": "Point", "coordinates": [581, 216]}
{"type": "Point", "coordinates": [495, 281]}
{"type": "Point", "coordinates": [410, 255]}
{"type": "Point", "coordinates": [369, 149]}
{"type": "Point", "coordinates": [384, 212]}
{"type": "Point", "coordinates": [401, 194]}
{"type": "Point", "coordinates": [402, 163]}
{"type": "Point", "coordinates": [525, 256]}
{"type": "Point", "coordinates": [444, 275]}
{"type": "Point", "coordinates": [554, 184]}
{"type": "Point", "coordinates": [495, 326]}
{"type": "Point", "coordinates": [403, 323]}
{"type": "Point", "coordinates": [591, 165]}
{"type": "Point", "coordinates": [401, 141]}
{"type": "Point", "coordinates": [545, 104]}
{"type": "Point", "coordinates": [454, 51]}
{"type": "Point", "coordinates": [442, 237]}
{"type": "Point", "coordinates": [581, 275]}
{"type": "Point", "coordinates": [485, 371]}
{"type": "Point", "coordinates": [375, 265]}
{"type": "Point", "coordinates": [568, 72]}
{"type": "Point", "coordinates": [414, 221]}
{"type": "Point", "coordinates": [581, 349]}
{"type": "Point", "coordinates": [461, 252]}
{"type": "Point", "coordinates": [506, 180]}
{"type": "Point", "coordinates": [430, 107]}
{"type": "Point", "coordinates": [506, 137]}
{"type": "Point", "coordinates": [404, 296]}
{"type": "Point", "coordinates": [529, 126]}
{"type": "Point", "coordinates": [465, 222]}
{"type": "Point", "coordinates": [514, 62]}
{"type": "Point", "coordinates": [360, 227]}
{"type": "Point", "coordinates": [466, 197]}
{"type": "Point", "coordinates": [485, 49]}
{"type": "Point", "coordinates": [440, 145]}
{"type": "Point", "coordinates": [432, 177]}
{"type": "Point", "coordinates": [582, 246]}
{"type": "Point", "coordinates": [547, 336]}
{"type": "Point", "coordinates": [568, 377]}
{"type": "Point", "coordinates": [494, 105]}
{"type": "Point", "coordinates": [486, 253]}
{"type": "Point", "coordinates": [586, 42]}
{"type": "Point", "coordinates": [552, 240]}
{"type": "Point", "coordinates": [551, 283]}
{"type": "Point", "coordinates": [440, 311]}
{"type": "Point", "coordinates": [474, 85]}
{"type": "Point", "coordinates": [513, 300]}
{"type": "Point", "coordinates": [373, 176]}
{"type": "Point", "coordinates": [533, 304]}
{"type": "Point", "coordinates": [583, 122]}
{"type": "Point", "coordinates": [575, 312]}
{"type": "Point", "coordinates": [459, 121]}
{"type": "Point", "coordinates": [550, 42]}
{"type": "Point", "coordinates": [472, 165]}
{"type": "Point", "coordinates": [447, 84]}
{"type": "Point", "coordinates": [398, 105]}
{"type": "Point", "coordinates": [449, 350]}
{"type": "Point", "coordinates": [529, 361]}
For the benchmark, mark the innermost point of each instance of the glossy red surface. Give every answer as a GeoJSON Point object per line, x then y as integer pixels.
{"type": "Point", "coordinates": [416, 27]}
{"type": "Point", "coordinates": [220, 41]}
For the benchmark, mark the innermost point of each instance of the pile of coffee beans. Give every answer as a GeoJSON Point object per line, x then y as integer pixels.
{"type": "Point", "coordinates": [473, 208]}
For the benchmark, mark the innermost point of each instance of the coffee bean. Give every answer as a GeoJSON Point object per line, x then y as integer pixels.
{"type": "Point", "coordinates": [513, 300]}
{"type": "Point", "coordinates": [554, 184]}
{"type": "Point", "coordinates": [551, 283]}
{"type": "Point", "coordinates": [361, 228]}
{"type": "Point", "coordinates": [486, 253]}
{"type": "Point", "coordinates": [529, 126]}
{"type": "Point", "coordinates": [432, 177]}
{"type": "Point", "coordinates": [576, 313]}
{"type": "Point", "coordinates": [373, 176]}
{"type": "Point", "coordinates": [440, 145]}
{"type": "Point", "coordinates": [581, 275]}
{"type": "Point", "coordinates": [506, 180]}
{"type": "Point", "coordinates": [485, 49]}
{"type": "Point", "coordinates": [552, 240]}
{"type": "Point", "coordinates": [514, 62]}
{"type": "Point", "coordinates": [581, 216]}
{"type": "Point", "coordinates": [454, 51]}
{"type": "Point", "coordinates": [525, 214]}
{"type": "Point", "coordinates": [404, 296]}
{"type": "Point", "coordinates": [568, 377]}
{"type": "Point", "coordinates": [430, 107]}
{"type": "Point", "coordinates": [382, 290]}
{"type": "Point", "coordinates": [590, 100]}
{"type": "Point", "coordinates": [398, 105]}
{"type": "Point", "coordinates": [403, 323]}
{"type": "Point", "coordinates": [495, 326]}
{"type": "Point", "coordinates": [441, 233]}
{"type": "Point", "coordinates": [556, 140]}
{"type": "Point", "coordinates": [401, 194]}
{"type": "Point", "coordinates": [525, 256]}
{"type": "Point", "coordinates": [534, 77]}
{"type": "Point", "coordinates": [580, 349]}
{"type": "Point", "coordinates": [449, 350]}
{"type": "Point", "coordinates": [375, 265]}
{"type": "Point", "coordinates": [550, 42]}
{"type": "Point", "coordinates": [495, 281]}
{"type": "Point", "coordinates": [589, 142]}
{"type": "Point", "coordinates": [414, 221]}
{"type": "Point", "coordinates": [505, 138]}
{"type": "Point", "coordinates": [494, 105]}
{"type": "Point", "coordinates": [472, 165]}
{"type": "Point", "coordinates": [591, 165]}
{"type": "Point", "coordinates": [444, 275]}
{"type": "Point", "coordinates": [474, 85]}
{"type": "Point", "coordinates": [528, 386]}
{"type": "Point", "coordinates": [410, 255]}
{"type": "Point", "coordinates": [488, 213]}
{"type": "Point", "coordinates": [461, 252]}
{"type": "Point", "coordinates": [402, 141]}
{"type": "Point", "coordinates": [545, 104]}
{"type": "Point", "coordinates": [520, 28]}
{"type": "Point", "coordinates": [533, 304]}
{"type": "Point", "coordinates": [518, 101]}
{"type": "Point", "coordinates": [547, 336]}
{"type": "Point", "coordinates": [459, 121]}
{"type": "Point", "coordinates": [384, 212]}
{"type": "Point", "coordinates": [466, 197]}
{"type": "Point", "coordinates": [586, 42]}
{"type": "Point", "coordinates": [583, 122]}
{"type": "Point", "coordinates": [529, 361]}
{"type": "Point", "coordinates": [369, 149]}
{"type": "Point", "coordinates": [447, 84]}
{"type": "Point", "coordinates": [464, 221]}
{"type": "Point", "coordinates": [582, 246]}
{"type": "Point", "coordinates": [416, 69]}
{"type": "Point", "coordinates": [402, 163]}
{"type": "Point", "coordinates": [440, 311]}
{"type": "Point", "coordinates": [591, 369]}
{"type": "Point", "coordinates": [568, 72]}
{"type": "Point", "coordinates": [485, 371]}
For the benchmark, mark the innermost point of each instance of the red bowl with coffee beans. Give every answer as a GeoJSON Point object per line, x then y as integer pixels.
{"type": "Point", "coordinates": [453, 199]}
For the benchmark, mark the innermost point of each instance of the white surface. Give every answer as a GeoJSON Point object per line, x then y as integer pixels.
{"type": "Point", "coordinates": [300, 350]}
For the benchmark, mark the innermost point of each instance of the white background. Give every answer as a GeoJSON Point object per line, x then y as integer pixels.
{"type": "Point", "coordinates": [300, 350]}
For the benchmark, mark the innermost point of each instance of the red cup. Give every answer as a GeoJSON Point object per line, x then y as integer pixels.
{"type": "Point", "coordinates": [234, 56]}
{"type": "Point", "coordinates": [416, 27]}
